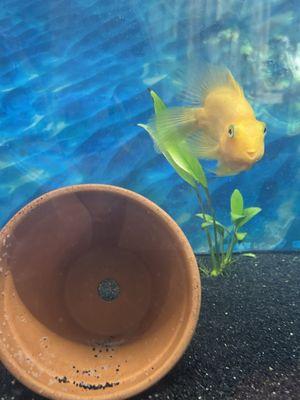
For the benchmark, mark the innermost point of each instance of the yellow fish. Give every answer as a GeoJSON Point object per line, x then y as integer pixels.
{"type": "Point", "coordinates": [219, 123]}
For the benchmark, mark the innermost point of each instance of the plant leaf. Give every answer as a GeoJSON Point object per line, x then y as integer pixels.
{"type": "Point", "coordinates": [183, 159]}
{"type": "Point", "coordinates": [249, 213]}
{"type": "Point", "coordinates": [159, 105]}
{"type": "Point", "coordinates": [248, 255]}
{"type": "Point", "coordinates": [236, 218]}
{"type": "Point", "coordinates": [181, 172]}
{"type": "Point", "coordinates": [240, 236]}
{"type": "Point", "coordinates": [237, 202]}
{"type": "Point", "coordinates": [206, 225]}
{"type": "Point", "coordinates": [186, 176]}
{"type": "Point", "coordinates": [146, 127]}
{"type": "Point", "coordinates": [185, 164]}
{"type": "Point", "coordinates": [206, 217]}
{"type": "Point", "coordinates": [209, 220]}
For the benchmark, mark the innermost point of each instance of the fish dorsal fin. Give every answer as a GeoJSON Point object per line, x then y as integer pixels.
{"type": "Point", "coordinates": [234, 84]}
{"type": "Point", "coordinates": [197, 81]}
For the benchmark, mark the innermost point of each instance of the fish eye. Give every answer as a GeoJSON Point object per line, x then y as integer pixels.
{"type": "Point", "coordinates": [265, 129]}
{"type": "Point", "coordinates": [231, 131]}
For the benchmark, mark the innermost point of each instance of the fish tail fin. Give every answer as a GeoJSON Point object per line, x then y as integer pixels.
{"type": "Point", "coordinates": [173, 124]}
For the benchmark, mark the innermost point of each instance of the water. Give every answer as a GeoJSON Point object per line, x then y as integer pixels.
{"type": "Point", "coordinates": [74, 76]}
{"type": "Point", "coordinates": [73, 86]}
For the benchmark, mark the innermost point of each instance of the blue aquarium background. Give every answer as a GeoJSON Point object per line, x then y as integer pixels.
{"type": "Point", "coordinates": [73, 87]}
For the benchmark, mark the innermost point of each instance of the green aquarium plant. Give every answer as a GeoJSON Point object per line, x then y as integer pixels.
{"type": "Point", "coordinates": [221, 239]}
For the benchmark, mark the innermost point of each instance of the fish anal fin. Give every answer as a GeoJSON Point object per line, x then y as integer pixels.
{"type": "Point", "coordinates": [225, 170]}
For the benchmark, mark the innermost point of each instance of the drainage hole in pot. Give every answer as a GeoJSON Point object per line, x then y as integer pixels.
{"type": "Point", "coordinates": [108, 289]}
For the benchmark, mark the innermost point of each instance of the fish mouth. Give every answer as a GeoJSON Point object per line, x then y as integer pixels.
{"type": "Point", "coordinates": [252, 154]}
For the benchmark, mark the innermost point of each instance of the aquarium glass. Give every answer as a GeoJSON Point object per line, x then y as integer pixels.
{"type": "Point", "coordinates": [73, 87]}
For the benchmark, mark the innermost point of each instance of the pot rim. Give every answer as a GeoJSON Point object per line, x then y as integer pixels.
{"type": "Point", "coordinates": [195, 295]}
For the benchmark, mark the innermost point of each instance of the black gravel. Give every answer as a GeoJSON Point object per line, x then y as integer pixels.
{"type": "Point", "coordinates": [246, 346]}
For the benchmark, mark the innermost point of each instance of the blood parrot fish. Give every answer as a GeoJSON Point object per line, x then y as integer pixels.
{"type": "Point", "coordinates": [218, 123]}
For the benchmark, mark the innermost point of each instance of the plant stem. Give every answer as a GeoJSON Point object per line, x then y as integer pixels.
{"type": "Point", "coordinates": [222, 248]}
{"type": "Point", "coordinates": [209, 241]}
{"type": "Point", "coordinates": [228, 255]}
{"type": "Point", "coordinates": [213, 214]}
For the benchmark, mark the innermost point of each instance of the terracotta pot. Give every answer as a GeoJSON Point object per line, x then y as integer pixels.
{"type": "Point", "coordinates": [100, 293]}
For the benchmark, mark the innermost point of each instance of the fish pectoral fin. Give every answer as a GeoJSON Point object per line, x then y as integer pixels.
{"type": "Point", "coordinates": [173, 124]}
{"type": "Point", "coordinates": [225, 170]}
{"type": "Point", "coordinates": [197, 80]}
{"type": "Point", "coordinates": [202, 145]}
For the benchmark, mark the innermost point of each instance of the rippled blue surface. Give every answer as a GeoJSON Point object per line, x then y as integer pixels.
{"type": "Point", "coordinates": [74, 75]}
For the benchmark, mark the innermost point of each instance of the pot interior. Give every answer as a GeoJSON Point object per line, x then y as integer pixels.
{"type": "Point", "coordinates": [97, 292]}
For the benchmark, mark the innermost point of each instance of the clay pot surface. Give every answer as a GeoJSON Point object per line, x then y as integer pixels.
{"type": "Point", "coordinates": [99, 293]}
